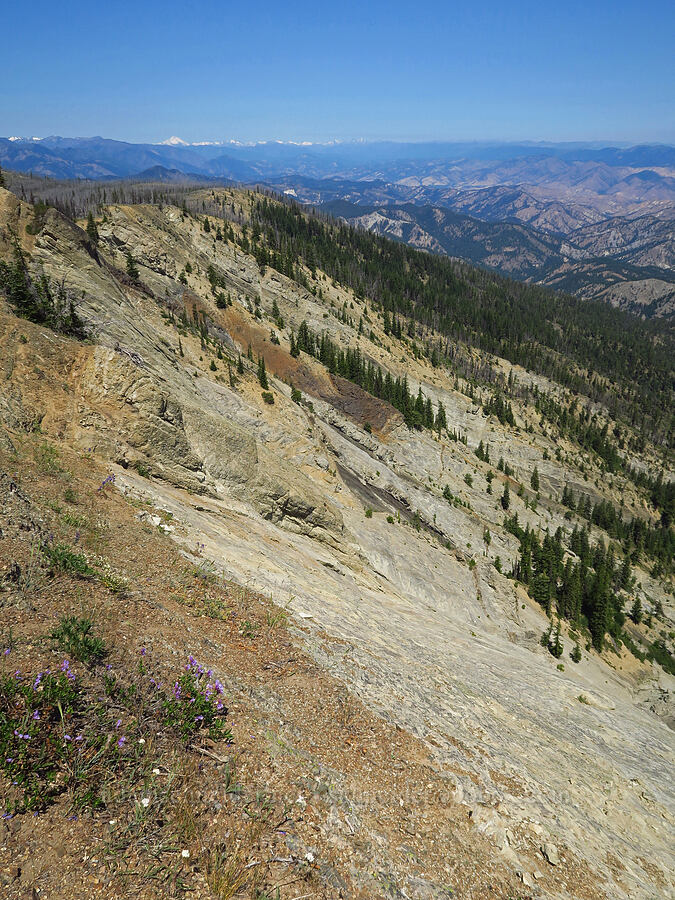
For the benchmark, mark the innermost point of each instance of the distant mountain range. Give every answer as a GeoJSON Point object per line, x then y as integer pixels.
{"type": "Point", "coordinates": [596, 220]}
{"type": "Point", "coordinates": [627, 262]}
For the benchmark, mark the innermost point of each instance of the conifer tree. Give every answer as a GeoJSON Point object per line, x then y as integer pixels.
{"type": "Point", "coordinates": [240, 365]}
{"type": "Point", "coordinates": [262, 373]}
{"type": "Point", "coordinates": [506, 497]}
{"type": "Point", "coordinates": [556, 646]}
{"type": "Point", "coordinates": [534, 479]}
{"type": "Point", "coordinates": [441, 420]}
{"type": "Point", "coordinates": [132, 268]}
{"type": "Point", "coordinates": [92, 230]}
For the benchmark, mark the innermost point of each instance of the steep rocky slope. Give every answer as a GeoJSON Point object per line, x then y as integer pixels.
{"type": "Point", "coordinates": [347, 527]}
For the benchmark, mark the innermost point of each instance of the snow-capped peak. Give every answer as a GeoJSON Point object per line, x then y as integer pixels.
{"type": "Point", "coordinates": [174, 141]}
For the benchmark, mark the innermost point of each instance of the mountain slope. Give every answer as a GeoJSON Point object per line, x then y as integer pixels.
{"type": "Point", "coordinates": [383, 542]}
{"type": "Point", "coordinates": [593, 262]}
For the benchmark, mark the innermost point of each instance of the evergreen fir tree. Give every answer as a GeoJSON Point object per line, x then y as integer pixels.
{"type": "Point", "coordinates": [132, 268]}
{"type": "Point", "coordinates": [262, 374]}
{"type": "Point", "coordinates": [534, 480]}
{"type": "Point", "coordinates": [92, 229]}
{"type": "Point", "coordinates": [441, 420]}
{"type": "Point", "coordinates": [556, 646]}
{"type": "Point", "coordinates": [506, 497]}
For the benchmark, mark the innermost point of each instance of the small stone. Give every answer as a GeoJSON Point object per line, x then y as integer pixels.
{"type": "Point", "coordinates": [524, 877]}
{"type": "Point", "coordinates": [550, 853]}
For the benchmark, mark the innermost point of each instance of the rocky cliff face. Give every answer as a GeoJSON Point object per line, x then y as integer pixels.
{"type": "Point", "coordinates": [348, 527]}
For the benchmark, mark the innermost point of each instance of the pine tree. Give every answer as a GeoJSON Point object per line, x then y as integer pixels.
{"type": "Point", "coordinates": [534, 480]}
{"type": "Point", "coordinates": [556, 646]}
{"type": "Point", "coordinates": [132, 268]}
{"type": "Point", "coordinates": [92, 230]}
{"type": "Point", "coordinates": [576, 653]}
{"type": "Point", "coordinates": [636, 611]}
{"type": "Point", "coordinates": [506, 497]}
{"type": "Point", "coordinates": [240, 365]}
{"type": "Point", "coordinates": [441, 420]}
{"type": "Point", "coordinates": [262, 374]}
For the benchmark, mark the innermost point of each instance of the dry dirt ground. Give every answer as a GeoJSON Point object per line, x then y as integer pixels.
{"type": "Point", "coordinates": [313, 797]}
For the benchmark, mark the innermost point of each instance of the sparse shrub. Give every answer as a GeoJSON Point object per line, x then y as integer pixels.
{"type": "Point", "coordinates": [35, 719]}
{"type": "Point", "coordinates": [369, 513]}
{"type": "Point", "coordinates": [368, 428]}
{"type": "Point", "coordinates": [195, 704]}
{"type": "Point", "coordinates": [47, 458]}
{"type": "Point", "coordinates": [248, 629]}
{"type": "Point", "coordinates": [76, 638]}
{"type": "Point", "coordinates": [63, 559]}
{"type": "Point", "coordinates": [268, 397]}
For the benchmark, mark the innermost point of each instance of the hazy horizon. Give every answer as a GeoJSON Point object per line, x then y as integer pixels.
{"type": "Point", "coordinates": [178, 140]}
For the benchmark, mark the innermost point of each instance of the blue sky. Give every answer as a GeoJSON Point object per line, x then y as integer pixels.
{"type": "Point", "coordinates": [143, 71]}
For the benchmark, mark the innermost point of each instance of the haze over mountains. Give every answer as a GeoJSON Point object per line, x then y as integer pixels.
{"type": "Point", "coordinates": [590, 219]}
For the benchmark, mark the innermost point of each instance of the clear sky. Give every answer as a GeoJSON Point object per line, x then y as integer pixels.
{"type": "Point", "coordinates": [296, 70]}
